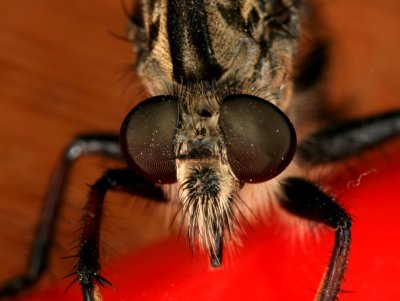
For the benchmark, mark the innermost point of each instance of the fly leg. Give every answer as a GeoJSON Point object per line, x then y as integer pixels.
{"type": "Point", "coordinates": [101, 144]}
{"type": "Point", "coordinates": [305, 200]}
{"type": "Point", "coordinates": [88, 267]}
{"type": "Point", "coordinates": [349, 139]}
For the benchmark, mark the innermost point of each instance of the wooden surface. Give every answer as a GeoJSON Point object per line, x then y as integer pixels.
{"type": "Point", "coordinates": [63, 73]}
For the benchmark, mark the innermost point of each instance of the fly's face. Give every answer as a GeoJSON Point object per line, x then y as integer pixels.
{"type": "Point", "coordinates": [210, 146]}
{"type": "Point", "coordinates": [223, 69]}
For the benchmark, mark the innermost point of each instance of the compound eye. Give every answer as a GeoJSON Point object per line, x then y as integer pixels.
{"type": "Point", "coordinates": [147, 138]}
{"type": "Point", "coordinates": [260, 139]}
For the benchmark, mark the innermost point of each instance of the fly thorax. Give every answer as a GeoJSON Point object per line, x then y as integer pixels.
{"type": "Point", "coordinates": [217, 41]}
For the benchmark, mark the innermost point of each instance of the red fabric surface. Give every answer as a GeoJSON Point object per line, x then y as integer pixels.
{"type": "Point", "coordinates": [271, 265]}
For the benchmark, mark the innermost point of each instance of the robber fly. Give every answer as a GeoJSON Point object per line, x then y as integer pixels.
{"type": "Point", "coordinates": [222, 117]}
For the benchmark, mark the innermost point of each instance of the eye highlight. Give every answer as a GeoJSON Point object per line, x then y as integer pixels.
{"type": "Point", "coordinates": [260, 139]}
{"type": "Point", "coordinates": [147, 138]}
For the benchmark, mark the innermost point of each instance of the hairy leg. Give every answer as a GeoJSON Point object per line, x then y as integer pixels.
{"type": "Point", "coordinates": [88, 267]}
{"type": "Point", "coordinates": [100, 144]}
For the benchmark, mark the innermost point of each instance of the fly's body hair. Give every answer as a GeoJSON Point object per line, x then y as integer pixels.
{"type": "Point", "coordinates": [207, 96]}
{"type": "Point", "coordinates": [207, 206]}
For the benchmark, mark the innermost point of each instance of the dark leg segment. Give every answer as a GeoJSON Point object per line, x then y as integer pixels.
{"type": "Point", "coordinates": [305, 200]}
{"type": "Point", "coordinates": [102, 144]}
{"type": "Point", "coordinates": [88, 268]}
{"type": "Point", "coordinates": [348, 139]}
